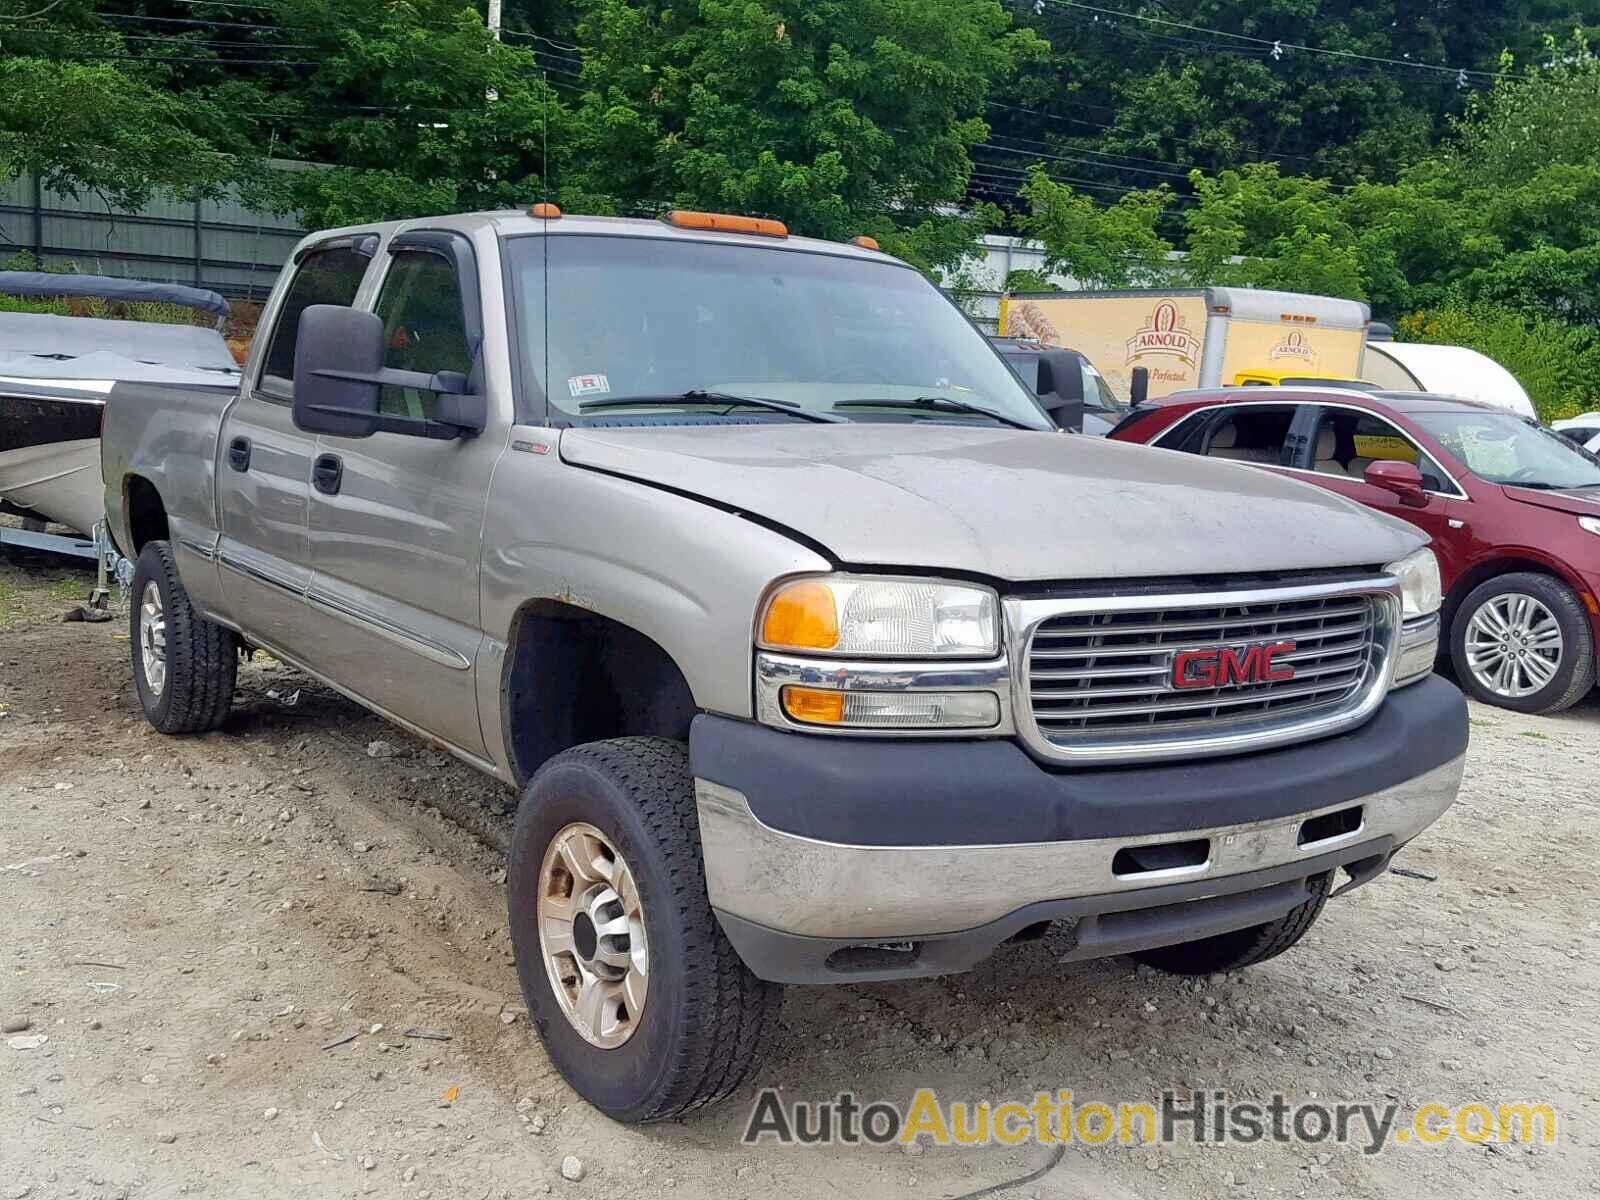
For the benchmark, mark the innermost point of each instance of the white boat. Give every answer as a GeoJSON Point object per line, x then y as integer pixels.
{"type": "Point", "coordinates": [56, 373]}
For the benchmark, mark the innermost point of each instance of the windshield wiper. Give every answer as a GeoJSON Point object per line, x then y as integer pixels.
{"type": "Point", "coordinates": [927, 403]}
{"type": "Point", "coordinates": [701, 396]}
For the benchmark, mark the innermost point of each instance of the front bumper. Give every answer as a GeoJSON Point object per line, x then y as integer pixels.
{"type": "Point", "coordinates": [920, 858]}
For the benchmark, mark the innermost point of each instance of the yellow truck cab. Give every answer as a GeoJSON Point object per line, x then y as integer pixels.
{"type": "Point", "coordinates": [1298, 378]}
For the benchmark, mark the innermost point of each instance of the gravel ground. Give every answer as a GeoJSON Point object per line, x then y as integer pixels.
{"type": "Point", "coordinates": [194, 924]}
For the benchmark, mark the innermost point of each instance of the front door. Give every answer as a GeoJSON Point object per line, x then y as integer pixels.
{"type": "Point", "coordinates": [1348, 440]}
{"type": "Point", "coordinates": [264, 471]}
{"type": "Point", "coordinates": [396, 520]}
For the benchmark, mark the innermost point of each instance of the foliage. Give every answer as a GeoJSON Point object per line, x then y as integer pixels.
{"type": "Point", "coordinates": [1558, 364]}
{"type": "Point", "coordinates": [1100, 246]}
{"type": "Point", "coordinates": [93, 128]}
{"type": "Point", "coordinates": [56, 307]}
{"type": "Point", "coordinates": [840, 117]}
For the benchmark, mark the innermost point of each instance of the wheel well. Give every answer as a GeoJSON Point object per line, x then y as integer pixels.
{"type": "Point", "coordinates": [573, 676]}
{"type": "Point", "coordinates": [1483, 572]}
{"type": "Point", "coordinates": [146, 515]}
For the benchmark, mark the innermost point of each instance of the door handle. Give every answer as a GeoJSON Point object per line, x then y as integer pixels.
{"type": "Point", "coordinates": [327, 473]}
{"type": "Point", "coordinates": [239, 454]}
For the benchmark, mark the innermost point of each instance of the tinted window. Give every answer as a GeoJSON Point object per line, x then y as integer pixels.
{"type": "Point", "coordinates": [424, 328]}
{"type": "Point", "coordinates": [1347, 443]}
{"type": "Point", "coordinates": [330, 276]}
{"type": "Point", "coordinates": [1243, 433]}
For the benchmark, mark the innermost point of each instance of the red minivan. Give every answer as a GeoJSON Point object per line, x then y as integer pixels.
{"type": "Point", "coordinates": [1514, 511]}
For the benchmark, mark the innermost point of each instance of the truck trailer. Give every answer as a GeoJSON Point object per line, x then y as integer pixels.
{"type": "Point", "coordinates": [1196, 337]}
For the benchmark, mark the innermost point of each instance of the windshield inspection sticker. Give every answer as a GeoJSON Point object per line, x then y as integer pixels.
{"type": "Point", "coordinates": [589, 385]}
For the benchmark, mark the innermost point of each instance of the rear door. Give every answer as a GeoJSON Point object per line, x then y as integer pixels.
{"type": "Point", "coordinates": [396, 521]}
{"type": "Point", "coordinates": [264, 472]}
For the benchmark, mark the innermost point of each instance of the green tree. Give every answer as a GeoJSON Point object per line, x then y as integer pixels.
{"type": "Point", "coordinates": [91, 128]}
{"type": "Point", "coordinates": [840, 118]}
{"type": "Point", "coordinates": [1100, 246]}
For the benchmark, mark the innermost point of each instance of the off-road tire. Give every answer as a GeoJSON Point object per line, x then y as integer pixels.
{"type": "Point", "coordinates": [1242, 947]}
{"type": "Point", "coordinates": [706, 1018]}
{"type": "Point", "coordinates": [1574, 678]}
{"type": "Point", "coordinates": [202, 657]}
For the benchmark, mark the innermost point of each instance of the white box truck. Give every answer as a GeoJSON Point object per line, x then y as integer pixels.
{"type": "Point", "coordinates": [1198, 337]}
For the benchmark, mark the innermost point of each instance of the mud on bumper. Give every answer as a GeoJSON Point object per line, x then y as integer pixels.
{"type": "Point", "coordinates": [829, 861]}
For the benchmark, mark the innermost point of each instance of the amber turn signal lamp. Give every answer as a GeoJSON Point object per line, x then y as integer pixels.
{"type": "Point", "coordinates": [685, 218]}
{"type": "Point", "coordinates": [802, 616]}
{"type": "Point", "coordinates": [545, 211]}
{"type": "Point", "coordinates": [816, 706]}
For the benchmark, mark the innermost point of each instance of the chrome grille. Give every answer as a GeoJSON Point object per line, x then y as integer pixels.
{"type": "Point", "coordinates": [1099, 674]}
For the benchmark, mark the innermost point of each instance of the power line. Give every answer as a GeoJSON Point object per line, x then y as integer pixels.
{"type": "Point", "coordinates": [1277, 47]}
{"type": "Point", "coordinates": [1124, 129]}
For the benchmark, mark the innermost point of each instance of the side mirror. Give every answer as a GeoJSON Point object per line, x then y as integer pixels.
{"type": "Point", "coordinates": [1400, 478]}
{"type": "Point", "coordinates": [339, 373]}
{"type": "Point", "coordinates": [1060, 388]}
{"type": "Point", "coordinates": [1139, 386]}
{"type": "Point", "coordinates": [333, 347]}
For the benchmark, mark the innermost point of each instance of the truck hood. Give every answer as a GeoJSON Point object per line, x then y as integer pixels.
{"type": "Point", "coordinates": [1008, 504]}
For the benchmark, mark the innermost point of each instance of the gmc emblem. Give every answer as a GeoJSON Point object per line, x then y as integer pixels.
{"type": "Point", "coordinates": [1220, 666]}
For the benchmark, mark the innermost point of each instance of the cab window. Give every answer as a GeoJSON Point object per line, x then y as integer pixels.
{"type": "Point", "coordinates": [1252, 433]}
{"type": "Point", "coordinates": [1348, 442]}
{"type": "Point", "coordinates": [424, 328]}
{"type": "Point", "coordinates": [328, 276]}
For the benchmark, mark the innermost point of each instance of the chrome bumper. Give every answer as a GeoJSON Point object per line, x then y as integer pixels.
{"type": "Point", "coordinates": [800, 886]}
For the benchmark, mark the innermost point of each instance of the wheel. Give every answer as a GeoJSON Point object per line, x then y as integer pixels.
{"type": "Point", "coordinates": [184, 667]}
{"type": "Point", "coordinates": [1242, 947]}
{"type": "Point", "coordinates": [1523, 641]}
{"type": "Point", "coordinates": [640, 1000]}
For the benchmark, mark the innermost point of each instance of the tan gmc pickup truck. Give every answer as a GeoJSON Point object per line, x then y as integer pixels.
{"type": "Point", "coordinates": [815, 653]}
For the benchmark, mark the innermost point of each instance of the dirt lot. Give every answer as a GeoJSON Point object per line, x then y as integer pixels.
{"type": "Point", "coordinates": [193, 924]}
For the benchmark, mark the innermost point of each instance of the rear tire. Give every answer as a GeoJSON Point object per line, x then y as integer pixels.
{"type": "Point", "coordinates": [704, 1018]}
{"type": "Point", "coordinates": [1545, 612]}
{"type": "Point", "coordinates": [184, 667]}
{"type": "Point", "coordinates": [1242, 947]}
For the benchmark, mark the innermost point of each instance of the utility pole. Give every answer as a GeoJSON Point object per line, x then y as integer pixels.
{"type": "Point", "coordinates": [494, 30]}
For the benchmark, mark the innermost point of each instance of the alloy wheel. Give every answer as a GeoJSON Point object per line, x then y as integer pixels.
{"type": "Point", "coordinates": [592, 935]}
{"type": "Point", "coordinates": [1514, 645]}
{"type": "Point", "coordinates": [153, 638]}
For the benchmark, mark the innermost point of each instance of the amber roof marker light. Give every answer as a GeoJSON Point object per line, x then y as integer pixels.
{"type": "Point", "coordinates": [685, 218]}
{"type": "Point", "coordinates": [545, 211]}
{"type": "Point", "coordinates": [865, 242]}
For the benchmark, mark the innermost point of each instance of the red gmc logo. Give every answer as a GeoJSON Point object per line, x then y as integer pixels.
{"type": "Point", "coordinates": [1220, 666]}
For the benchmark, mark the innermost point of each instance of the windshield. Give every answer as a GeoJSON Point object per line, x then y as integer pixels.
{"type": "Point", "coordinates": [1503, 448]}
{"type": "Point", "coordinates": [607, 319]}
{"type": "Point", "coordinates": [1098, 396]}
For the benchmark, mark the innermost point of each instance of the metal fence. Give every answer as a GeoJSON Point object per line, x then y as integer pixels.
{"type": "Point", "coordinates": [222, 246]}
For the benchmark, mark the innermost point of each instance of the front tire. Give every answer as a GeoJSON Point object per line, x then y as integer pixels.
{"type": "Point", "coordinates": [641, 1002]}
{"type": "Point", "coordinates": [184, 667]}
{"type": "Point", "coordinates": [1523, 641]}
{"type": "Point", "coordinates": [1243, 947]}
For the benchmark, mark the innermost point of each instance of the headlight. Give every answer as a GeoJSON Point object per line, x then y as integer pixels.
{"type": "Point", "coordinates": [1592, 524]}
{"type": "Point", "coordinates": [1420, 591]}
{"type": "Point", "coordinates": [864, 617]}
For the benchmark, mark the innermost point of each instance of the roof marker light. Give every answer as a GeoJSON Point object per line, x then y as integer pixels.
{"type": "Point", "coordinates": [685, 218]}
